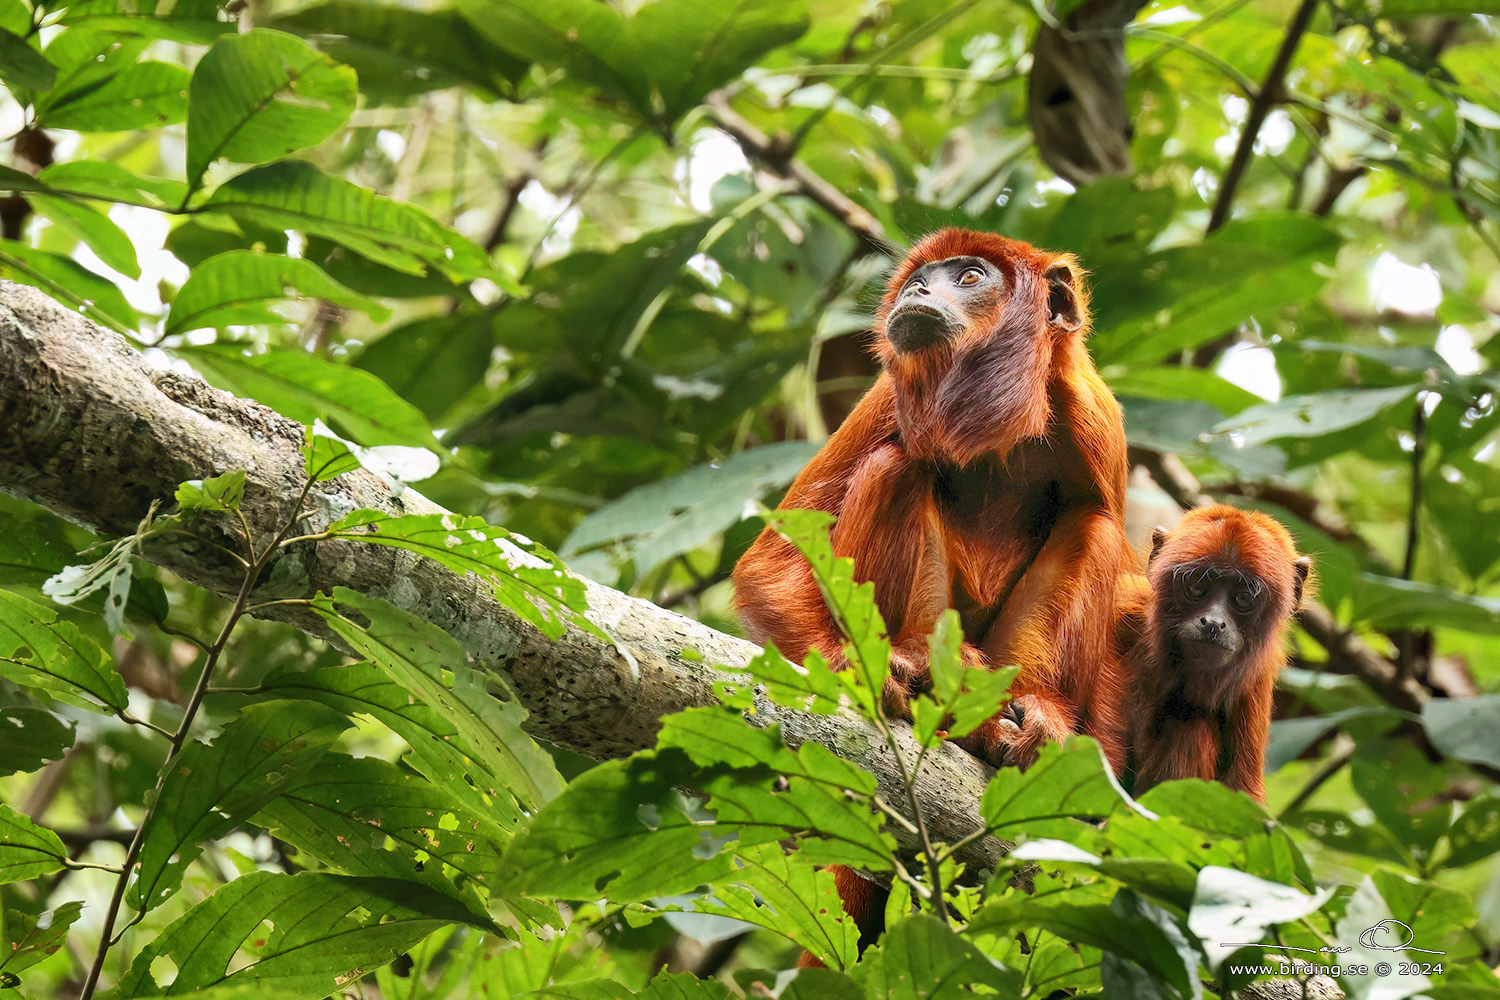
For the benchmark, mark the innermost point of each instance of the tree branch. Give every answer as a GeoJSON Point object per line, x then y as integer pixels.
{"type": "Point", "coordinates": [95, 434]}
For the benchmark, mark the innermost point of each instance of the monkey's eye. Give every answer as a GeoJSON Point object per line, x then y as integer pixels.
{"type": "Point", "coordinates": [1244, 599]}
{"type": "Point", "coordinates": [1196, 590]}
{"type": "Point", "coordinates": [914, 283]}
{"type": "Point", "coordinates": [970, 276]}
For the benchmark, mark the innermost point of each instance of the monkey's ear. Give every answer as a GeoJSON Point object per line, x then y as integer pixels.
{"type": "Point", "coordinates": [1158, 539]}
{"type": "Point", "coordinates": [1064, 305]}
{"type": "Point", "coordinates": [1301, 568]}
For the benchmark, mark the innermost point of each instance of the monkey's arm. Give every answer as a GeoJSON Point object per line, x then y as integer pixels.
{"type": "Point", "coordinates": [1058, 627]}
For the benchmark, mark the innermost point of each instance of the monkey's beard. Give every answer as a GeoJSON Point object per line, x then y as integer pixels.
{"type": "Point", "coordinates": [981, 394]}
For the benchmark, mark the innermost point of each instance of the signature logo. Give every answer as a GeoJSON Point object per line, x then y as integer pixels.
{"type": "Point", "coordinates": [1389, 934]}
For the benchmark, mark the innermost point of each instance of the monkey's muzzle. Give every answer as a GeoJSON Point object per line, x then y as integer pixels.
{"type": "Point", "coordinates": [915, 324]}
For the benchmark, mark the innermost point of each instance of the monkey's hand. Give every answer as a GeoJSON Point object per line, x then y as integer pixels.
{"type": "Point", "coordinates": [1014, 737]}
{"type": "Point", "coordinates": [910, 675]}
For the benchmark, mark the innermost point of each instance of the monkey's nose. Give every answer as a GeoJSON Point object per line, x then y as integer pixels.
{"type": "Point", "coordinates": [1213, 625]}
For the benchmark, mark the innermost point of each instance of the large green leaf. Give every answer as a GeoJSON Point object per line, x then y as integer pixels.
{"type": "Point", "coordinates": [439, 751]}
{"type": "Point", "coordinates": [923, 957]}
{"type": "Point", "coordinates": [1233, 907]}
{"type": "Point", "coordinates": [235, 288]}
{"type": "Point", "coordinates": [664, 519]}
{"type": "Point", "coordinates": [661, 60]}
{"type": "Point", "coordinates": [297, 195]}
{"type": "Point", "coordinates": [431, 665]}
{"type": "Point", "coordinates": [365, 816]}
{"type": "Point", "coordinates": [1312, 415]}
{"type": "Point", "coordinates": [1465, 728]}
{"type": "Point", "coordinates": [307, 388]}
{"type": "Point", "coordinates": [95, 229]}
{"type": "Point", "coordinates": [784, 892]}
{"type": "Point", "coordinates": [26, 850]}
{"type": "Point", "coordinates": [23, 67]}
{"type": "Point", "coordinates": [525, 577]}
{"type": "Point", "coordinates": [324, 932]}
{"type": "Point", "coordinates": [1392, 603]}
{"type": "Point", "coordinates": [31, 737]}
{"type": "Point", "coordinates": [34, 938]}
{"type": "Point", "coordinates": [196, 22]}
{"type": "Point", "coordinates": [67, 281]}
{"type": "Point", "coordinates": [144, 95]}
{"type": "Point", "coordinates": [1066, 784]}
{"type": "Point", "coordinates": [682, 986]}
{"type": "Point", "coordinates": [208, 790]}
{"type": "Point", "coordinates": [412, 50]}
{"type": "Point", "coordinates": [112, 182]}
{"type": "Point", "coordinates": [260, 96]}
{"type": "Point", "coordinates": [39, 650]}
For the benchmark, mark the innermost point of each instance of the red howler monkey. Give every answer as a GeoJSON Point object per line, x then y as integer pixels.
{"type": "Point", "coordinates": [1204, 639]}
{"type": "Point", "coordinates": [984, 471]}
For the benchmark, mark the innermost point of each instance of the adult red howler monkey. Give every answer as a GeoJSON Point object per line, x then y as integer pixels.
{"type": "Point", "coordinates": [984, 471]}
{"type": "Point", "coordinates": [1204, 636]}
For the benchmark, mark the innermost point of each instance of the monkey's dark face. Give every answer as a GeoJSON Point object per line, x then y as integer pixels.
{"type": "Point", "coordinates": [1209, 615]}
{"type": "Point", "coordinates": [940, 300]}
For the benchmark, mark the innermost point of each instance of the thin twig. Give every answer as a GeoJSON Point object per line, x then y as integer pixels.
{"type": "Point", "coordinates": [1270, 91]}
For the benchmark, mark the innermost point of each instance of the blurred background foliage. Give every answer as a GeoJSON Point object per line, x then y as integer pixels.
{"type": "Point", "coordinates": [603, 274]}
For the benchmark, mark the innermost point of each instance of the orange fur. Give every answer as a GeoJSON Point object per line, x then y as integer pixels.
{"type": "Point", "coordinates": [985, 474]}
{"type": "Point", "coordinates": [1212, 727]}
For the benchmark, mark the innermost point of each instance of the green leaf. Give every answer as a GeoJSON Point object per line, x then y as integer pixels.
{"type": "Point", "coordinates": [306, 388]}
{"type": "Point", "coordinates": [851, 604]}
{"type": "Point", "coordinates": [31, 737]}
{"type": "Point", "coordinates": [659, 521]}
{"type": "Point", "coordinates": [661, 61]}
{"type": "Point", "coordinates": [1122, 975]}
{"type": "Point", "coordinates": [962, 696]}
{"type": "Point", "coordinates": [144, 95]}
{"type": "Point", "coordinates": [12, 179]}
{"type": "Point", "coordinates": [364, 816]}
{"type": "Point", "coordinates": [69, 282]}
{"type": "Point", "coordinates": [623, 831]}
{"type": "Point", "coordinates": [196, 22]}
{"type": "Point", "coordinates": [261, 96]}
{"type": "Point", "coordinates": [433, 361]}
{"type": "Point", "coordinates": [1339, 831]}
{"type": "Point", "coordinates": [325, 458]}
{"type": "Point", "coordinates": [1290, 737]}
{"type": "Point", "coordinates": [32, 547]}
{"type": "Point", "coordinates": [233, 289]}
{"type": "Point", "coordinates": [786, 893]}
{"type": "Point", "coordinates": [1476, 832]}
{"type": "Point", "coordinates": [27, 851]}
{"type": "Point", "coordinates": [786, 683]}
{"type": "Point", "coordinates": [1209, 806]}
{"type": "Point", "coordinates": [94, 229]}
{"type": "Point", "coordinates": [414, 50]}
{"type": "Point", "coordinates": [439, 751]}
{"type": "Point", "coordinates": [111, 573]}
{"type": "Point", "coordinates": [431, 665]}
{"type": "Point", "coordinates": [922, 957]}
{"type": "Point", "coordinates": [525, 577]}
{"type": "Point", "coordinates": [309, 934]}
{"type": "Point", "coordinates": [1392, 603]}
{"type": "Point", "coordinates": [1234, 907]}
{"type": "Point", "coordinates": [297, 195]}
{"type": "Point", "coordinates": [112, 182]}
{"type": "Point", "coordinates": [1465, 728]}
{"type": "Point", "coordinates": [833, 825]}
{"type": "Point", "coordinates": [23, 67]}
{"type": "Point", "coordinates": [208, 790]}
{"type": "Point", "coordinates": [1066, 784]}
{"type": "Point", "coordinates": [219, 493]}
{"type": "Point", "coordinates": [682, 986]}
{"type": "Point", "coordinates": [38, 650]}
{"type": "Point", "coordinates": [34, 938]}
{"type": "Point", "coordinates": [1311, 415]}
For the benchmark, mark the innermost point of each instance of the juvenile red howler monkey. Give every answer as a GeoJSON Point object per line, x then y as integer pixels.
{"type": "Point", "coordinates": [1204, 637]}
{"type": "Point", "coordinates": [984, 471]}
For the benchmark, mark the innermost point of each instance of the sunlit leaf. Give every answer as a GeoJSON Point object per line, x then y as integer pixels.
{"type": "Point", "coordinates": [27, 850]}
{"type": "Point", "coordinates": [37, 649]}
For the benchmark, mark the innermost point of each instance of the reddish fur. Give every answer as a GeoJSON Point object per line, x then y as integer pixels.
{"type": "Point", "coordinates": [1012, 418]}
{"type": "Point", "coordinates": [1016, 407]}
{"type": "Point", "coordinates": [1224, 739]}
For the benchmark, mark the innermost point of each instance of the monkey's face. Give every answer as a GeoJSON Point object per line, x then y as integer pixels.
{"type": "Point", "coordinates": [1209, 614]}
{"type": "Point", "coordinates": [941, 300]}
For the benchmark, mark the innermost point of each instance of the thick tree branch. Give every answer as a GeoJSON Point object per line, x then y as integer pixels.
{"type": "Point", "coordinates": [95, 434]}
